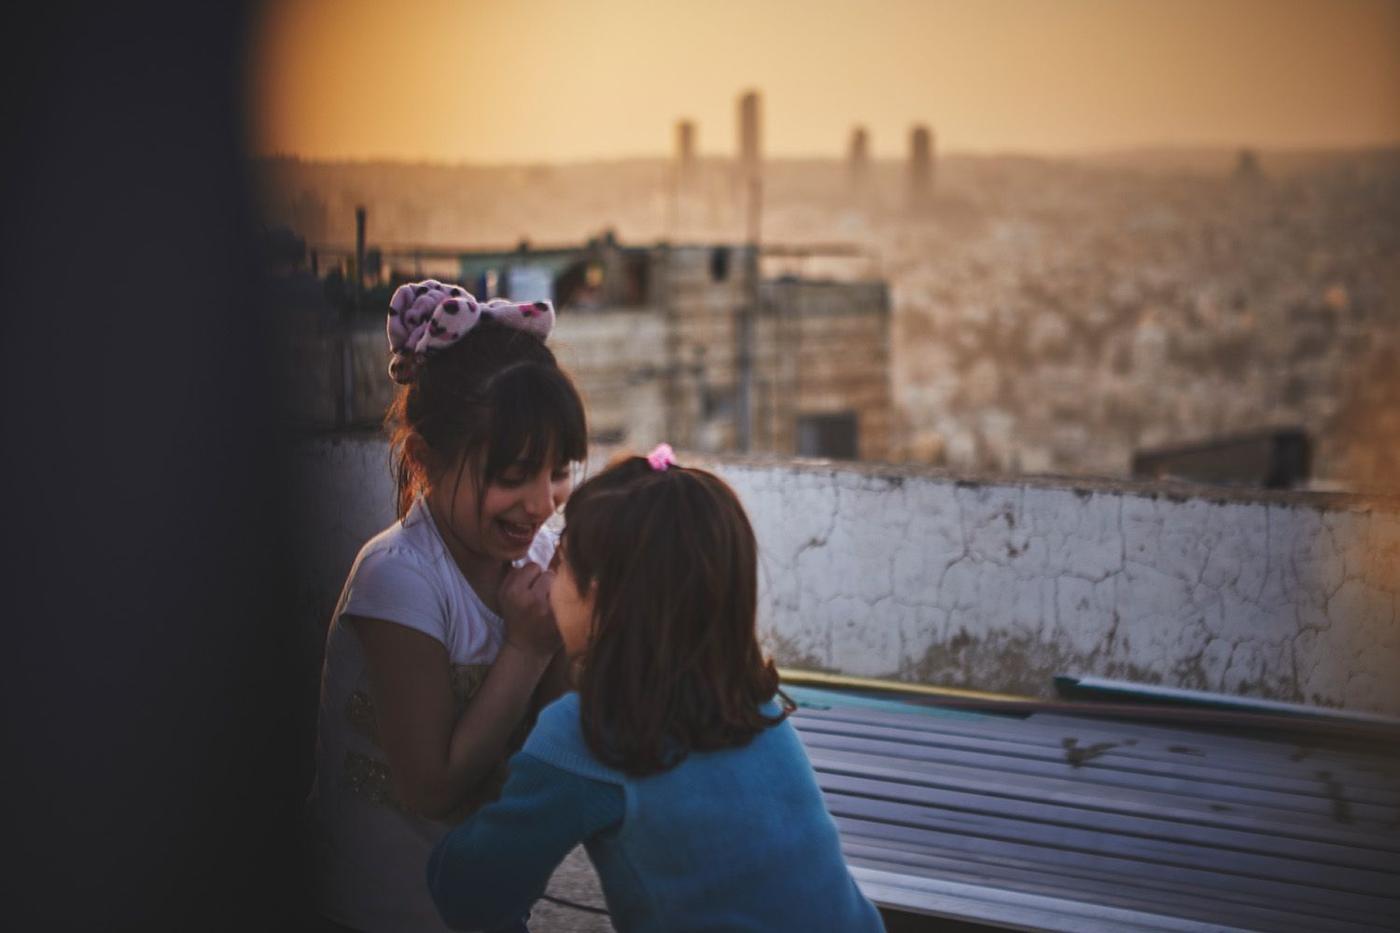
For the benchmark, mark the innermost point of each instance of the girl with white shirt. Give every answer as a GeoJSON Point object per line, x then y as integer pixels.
{"type": "Point", "coordinates": [443, 644]}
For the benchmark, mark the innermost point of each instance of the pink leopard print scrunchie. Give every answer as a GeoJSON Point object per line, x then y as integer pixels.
{"type": "Point", "coordinates": [428, 316]}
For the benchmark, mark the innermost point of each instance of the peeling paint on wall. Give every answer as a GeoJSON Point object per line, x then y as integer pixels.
{"type": "Point", "coordinates": [1001, 585]}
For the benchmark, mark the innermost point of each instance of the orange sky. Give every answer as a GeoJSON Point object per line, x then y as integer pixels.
{"type": "Point", "coordinates": [562, 80]}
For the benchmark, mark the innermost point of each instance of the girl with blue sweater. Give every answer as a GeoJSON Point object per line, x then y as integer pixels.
{"type": "Point", "coordinates": [673, 762]}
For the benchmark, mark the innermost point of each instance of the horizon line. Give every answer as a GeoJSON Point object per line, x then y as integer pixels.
{"type": "Point", "coordinates": [1375, 147]}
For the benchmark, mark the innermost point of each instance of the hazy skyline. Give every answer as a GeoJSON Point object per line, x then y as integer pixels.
{"type": "Point", "coordinates": [556, 81]}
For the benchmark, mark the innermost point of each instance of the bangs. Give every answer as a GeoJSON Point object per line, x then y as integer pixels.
{"type": "Point", "coordinates": [536, 417]}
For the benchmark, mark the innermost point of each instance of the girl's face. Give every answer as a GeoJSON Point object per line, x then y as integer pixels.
{"type": "Point", "coordinates": [511, 512]}
{"type": "Point", "coordinates": [573, 611]}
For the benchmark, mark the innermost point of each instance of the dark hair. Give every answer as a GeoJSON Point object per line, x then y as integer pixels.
{"type": "Point", "coordinates": [673, 663]}
{"type": "Point", "coordinates": [498, 392]}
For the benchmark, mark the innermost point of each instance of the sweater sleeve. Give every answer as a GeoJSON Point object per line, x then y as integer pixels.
{"type": "Point", "coordinates": [489, 870]}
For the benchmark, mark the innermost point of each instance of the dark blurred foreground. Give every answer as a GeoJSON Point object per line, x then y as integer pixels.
{"type": "Point", "coordinates": [152, 727]}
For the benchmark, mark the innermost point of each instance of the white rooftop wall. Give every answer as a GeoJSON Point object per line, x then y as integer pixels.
{"type": "Point", "coordinates": [1001, 584]}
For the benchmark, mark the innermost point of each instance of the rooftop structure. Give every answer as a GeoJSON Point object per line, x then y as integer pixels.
{"type": "Point", "coordinates": [683, 343]}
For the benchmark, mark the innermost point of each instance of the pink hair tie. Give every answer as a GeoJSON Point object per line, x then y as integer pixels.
{"type": "Point", "coordinates": [662, 457]}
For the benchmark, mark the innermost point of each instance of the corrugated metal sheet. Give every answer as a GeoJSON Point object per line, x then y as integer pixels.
{"type": "Point", "coordinates": [1061, 821]}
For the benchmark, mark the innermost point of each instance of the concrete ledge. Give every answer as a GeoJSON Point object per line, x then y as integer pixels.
{"type": "Point", "coordinates": [998, 584]}
{"type": "Point", "coordinates": [1085, 485]}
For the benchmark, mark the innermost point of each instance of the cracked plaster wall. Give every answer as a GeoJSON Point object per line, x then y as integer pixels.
{"type": "Point", "coordinates": [999, 585]}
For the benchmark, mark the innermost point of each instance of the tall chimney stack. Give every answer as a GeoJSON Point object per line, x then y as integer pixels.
{"type": "Point", "coordinates": [858, 158]}
{"type": "Point", "coordinates": [750, 163]}
{"type": "Point", "coordinates": [920, 165]}
{"type": "Point", "coordinates": [685, 148]}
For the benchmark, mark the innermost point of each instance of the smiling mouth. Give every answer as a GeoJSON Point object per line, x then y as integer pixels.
{"type": "Point", "coordinates": [516, 532]}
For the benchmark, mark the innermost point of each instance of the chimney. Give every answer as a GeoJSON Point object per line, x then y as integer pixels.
{"type": "Point", "coordinates": [920, 165]}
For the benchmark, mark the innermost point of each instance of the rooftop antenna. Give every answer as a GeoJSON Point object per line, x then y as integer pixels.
{"type": "Point", "coordinates": [751, 177]}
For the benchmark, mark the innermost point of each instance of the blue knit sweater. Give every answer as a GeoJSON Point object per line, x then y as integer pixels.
{"type": "Point", "coordinates": [737, 839]}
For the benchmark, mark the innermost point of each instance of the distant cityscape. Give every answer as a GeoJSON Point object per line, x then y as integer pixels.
{"type": "Point", "coordinates": [1046, 315]}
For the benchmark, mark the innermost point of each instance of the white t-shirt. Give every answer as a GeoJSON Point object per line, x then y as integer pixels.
{"type": "Point", "coordinates": [371, 854]}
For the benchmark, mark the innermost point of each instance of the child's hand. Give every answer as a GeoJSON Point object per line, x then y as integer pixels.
{"type": "Point", "coordinates": [524, 600]}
